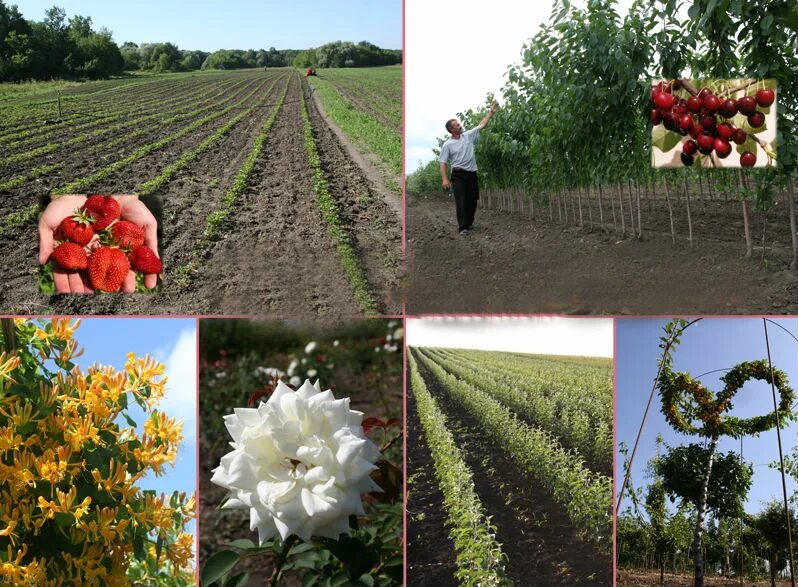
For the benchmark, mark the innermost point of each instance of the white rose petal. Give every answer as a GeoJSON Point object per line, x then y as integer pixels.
{"type": "Point", "coordinates": [299, 463]}
{"type": "Point", "coordinates": [336, 343]}
{"type": "Point", "coordinates": [310, 347]}
{"type": "Point", "coordinates": [399, 333]}
{"type": "Point", "coordinates": [296, 381]}
{"type": "Point", "coordinates": [312, 372]}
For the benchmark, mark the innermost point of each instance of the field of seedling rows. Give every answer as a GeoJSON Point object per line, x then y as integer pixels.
{"type": "Point", "coordinates": [264, 208]}
{"type": "Point", "coordinates": [509, 464]}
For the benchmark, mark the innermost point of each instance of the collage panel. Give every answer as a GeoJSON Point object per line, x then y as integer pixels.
{"type": "Point", "coordinates": [301, 453]}
{"type": "Point", "coordinates": [97, 452]}
{"type": "Point", "coordinates": [706, 479]}
{"type": "Point", "coordinates": [509, 451]}
{"type": "Point", "coordinates": [233, 168]}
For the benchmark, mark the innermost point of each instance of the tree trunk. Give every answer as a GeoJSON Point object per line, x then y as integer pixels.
{"type": "Point", "coordinates": [579, 196]}
{"type": "Point", "coordinates": [601, 210]}
{"type": "Point", "coordinates": [749, 248]}
{"type": "Point", "coordinates": [689, 216]}
{"type": "Point", "coordinates": [662, 570]}
{"type": "Point", "coordinates": [614, 217]}
{"type": "Point", "coordinates": [639, 217]}
{"type": "Point", "coordinates": [793, 230]}
{"type": "Point", "coordinates": [565, 207]}
{"type": "Point", "coordinates": [589, 208]}
{"type": "Point", "coordinates": [670, 209]}
{"type": "Point", "coordinates": [551, 210]}
{"type": "Point", "coordinates": [698, 552]}
{"type": "Point", "coordinates": [623, 217]}
{"type": "Point", "coordinates": [559, 206]}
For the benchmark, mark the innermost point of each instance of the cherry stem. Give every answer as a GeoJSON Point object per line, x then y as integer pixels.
{"type": "Point", "coordinates": [736, 89]}
{"type": "Point", "coordinates": [688, 85]}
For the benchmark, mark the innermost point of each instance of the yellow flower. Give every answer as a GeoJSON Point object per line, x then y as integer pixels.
{"type": "Point", "coordinates": [181, 552]}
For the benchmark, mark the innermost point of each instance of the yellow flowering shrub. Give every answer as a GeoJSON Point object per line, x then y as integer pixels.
{"type": "Point", "coordinates": [70, 510]}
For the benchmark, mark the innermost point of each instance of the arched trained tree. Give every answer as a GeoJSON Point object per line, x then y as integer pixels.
{"type": "Point", "coordinates": [693, 409]}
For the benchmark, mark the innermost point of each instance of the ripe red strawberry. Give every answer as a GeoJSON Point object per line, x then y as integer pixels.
{"type": "Point", "coordinates": [70, 256]}
{"type": "Point", "coordinates": [127, 234]}
{"type": "Point", "coordinates": [77, 228]}
{"type": "Point", "coordinates": [143, 259]}
{"type": "Point", "coordinates": [104, 210]}
{"type": "Point", "coordinates": [108, 268]}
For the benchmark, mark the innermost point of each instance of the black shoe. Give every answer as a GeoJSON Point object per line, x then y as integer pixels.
{"type": "Point", "coordinates": [464, 232]}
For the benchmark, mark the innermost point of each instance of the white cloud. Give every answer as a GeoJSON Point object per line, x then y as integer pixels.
{"type": "Point", "coordinates": [550, 335]}
{"type": "Point", "coordinates": [180, 399]}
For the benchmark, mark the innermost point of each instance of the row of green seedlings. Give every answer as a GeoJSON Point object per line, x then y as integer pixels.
{"type": "Point", "coordinates": [170, 170]}
{"type": "Point", "coordinates": [191, 109]}
{"type": "Point", "coordinates": [480, 560]}
{"type": "Point", "coordinates": [216, 219]}
{"type": "Point", "coordinates": [126, 103]}
{"type": "Point", "coordinates": [81, 184]}
{"type": "Point", "coordinates": [26, 115]}
{"type": "Point", "coordinates": [364, 129]}
{"type": "Point", "coordinates": [544, 407]}
{"type": "Point", "coordinates": [384, 81]}
{"type": "Point", "coordinates": [23, 216]}
{"type": "Point", "coordinates": [585, 495]}
{"type": "Point", "coordinates": [332, 216]}
{"type": "Point", "coordinates": [391, 108]}
{"type": "Point", "coordinates": [33, 174]}
{"type": "Point", "coordinates": [125, 111]}
{"type": "Point", "coordinates": [572, 383]}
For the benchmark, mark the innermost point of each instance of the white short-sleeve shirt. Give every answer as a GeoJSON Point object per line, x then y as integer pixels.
{"type": "Point", "coordinates": [460, 152]}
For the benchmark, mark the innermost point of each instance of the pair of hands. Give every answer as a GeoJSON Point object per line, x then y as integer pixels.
{"type": "Point", "coordinates": [73, 281]}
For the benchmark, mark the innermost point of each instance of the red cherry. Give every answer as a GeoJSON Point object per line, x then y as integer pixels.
{"type": "Point", "coordinates": [680, 108]}
{"type": "Point", "coordinates": [704, 92]}
{"type": "Point", "coordinates": [748, 159]}
{"type": "Point", "coordinates": [689, 147]}
{"type": "Point", "coordinates": [670, 121]}
{"type": "Point", "coordinates": [765, 98]}
{"type": "Point", "coordinates": [694, 104]}
{"type": "Point", "coordinates": [696, 130]}
{"type": "Point", "coordinates": [664, 101]}
{"type": "Point", "coordinates": [746, 105]}
{"type": "Point", "coordinates": [722, 148]}
{"type": "Point", "coordinates": [705, 141]}
{"type": "Point", "coordinates": [756, 120]}
{"type": "Point", "coordinates": [729, 108]}
{"type": "Point", "coordinates": [686, 122]}
{"type": "Point", "coordinates": [687, 160]}
{"type": "Point", "coordinates": [711, 103]}
{"type": "Point", "coordinates": [725, 130]}
{"type": "Point", "coordinates": [739, 136]}
{"type": "Point", "coordinates": [709, 122]}
{"type": "Point", "coordinates": [656, 116]}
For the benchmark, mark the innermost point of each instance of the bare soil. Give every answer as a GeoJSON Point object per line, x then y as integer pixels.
{"type": "Point", "coordinates": [651, 579]}
{"type": "Point", "coordinates": [512, 263]}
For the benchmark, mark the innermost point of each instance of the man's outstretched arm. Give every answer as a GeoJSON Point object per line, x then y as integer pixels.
{"type": "Point", "coordinates": [484, 122]}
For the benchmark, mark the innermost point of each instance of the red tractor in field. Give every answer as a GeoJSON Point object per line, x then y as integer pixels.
{"type": "Point", "coordinates": [311, 71]}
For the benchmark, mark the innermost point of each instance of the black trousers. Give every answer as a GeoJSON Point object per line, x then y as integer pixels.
{"type": "Point", "coordinates": [466, 193]}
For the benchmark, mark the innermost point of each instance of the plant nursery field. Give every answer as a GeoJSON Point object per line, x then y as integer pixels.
{"type": "Point", "coordinates": [509, 461]}
{"type": "Point", "coordinates": [264, 207]}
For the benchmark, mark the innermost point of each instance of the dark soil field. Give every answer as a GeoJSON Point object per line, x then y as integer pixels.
{"type": "Point", "coordinates": [540, 542]}
{"type": "Point", "coordinates": [641, 579]}
{"type": "Point", "coordinates": [274, 255]}
{"type": "Point", "coordinates": [511, 263]}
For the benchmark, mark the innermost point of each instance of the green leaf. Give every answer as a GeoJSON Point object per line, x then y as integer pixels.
{"type": "Point", "coordinates": [218, 566]}
{"type": "Point", "coordinates": [238, 581]}
{"type": "Point", "coordinates": [354, 554]}
{"type": "Point", "coordinates": [244, 543]}
{"type": "Point", "coordinates": [310, 579]}
{"type": "Point", "coordinates": [664, 140]}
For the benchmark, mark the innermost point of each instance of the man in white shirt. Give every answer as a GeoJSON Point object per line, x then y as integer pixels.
{"type": "Point", "coordinates": [458, 151]}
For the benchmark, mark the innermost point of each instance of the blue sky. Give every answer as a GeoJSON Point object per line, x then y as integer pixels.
{"type": "Point", "coordinates": [172, 341]}
{"type": "Point", "coordinates": [237, 24]}
{"type": "Point", "coordinates": [707, 345]}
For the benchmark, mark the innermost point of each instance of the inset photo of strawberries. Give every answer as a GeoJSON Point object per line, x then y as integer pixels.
{"type": "Point", "coordinates": [99, 243]}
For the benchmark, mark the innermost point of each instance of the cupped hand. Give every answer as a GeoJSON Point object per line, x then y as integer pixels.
{"type": "Point", "coordinates": [65, 281]}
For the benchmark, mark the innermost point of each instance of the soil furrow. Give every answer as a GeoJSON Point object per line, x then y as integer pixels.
{"type": "Point", "coordinates": [431, 560]}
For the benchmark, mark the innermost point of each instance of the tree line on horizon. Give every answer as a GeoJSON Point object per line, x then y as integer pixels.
{"type": "Point", "coordinates": [57, 47]}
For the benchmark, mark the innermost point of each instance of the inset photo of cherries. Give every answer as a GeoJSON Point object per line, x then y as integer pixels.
{"type": "Point", "coordinates": [713, 123]}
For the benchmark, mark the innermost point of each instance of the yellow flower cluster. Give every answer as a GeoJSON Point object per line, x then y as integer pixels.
{"type": "Point", "coordinates": [70, 510]}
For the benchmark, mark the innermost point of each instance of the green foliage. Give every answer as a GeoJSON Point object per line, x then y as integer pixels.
{"type": "Point", "coordinates": [585, 495]}
{"type": "Point", "coordinates": [683, 468]}
{"type": "Point", "coordinates": [480, 560]}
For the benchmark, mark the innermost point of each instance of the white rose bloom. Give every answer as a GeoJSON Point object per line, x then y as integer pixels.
{"type": "Point", "coordinates": [299, 463]}
{"type": "Point", "coordinates": [292, 367]}
{"type": "Point", "coordinates": [310, 347]}
{"type": "Point", "coordinates": [296, 381]}
{"type": "Point", "coordinates": [336, 343]}
{"type": "Point", "coordinates": [312, 372]}
{"type": "Point", "coordinates": [399, 333]}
